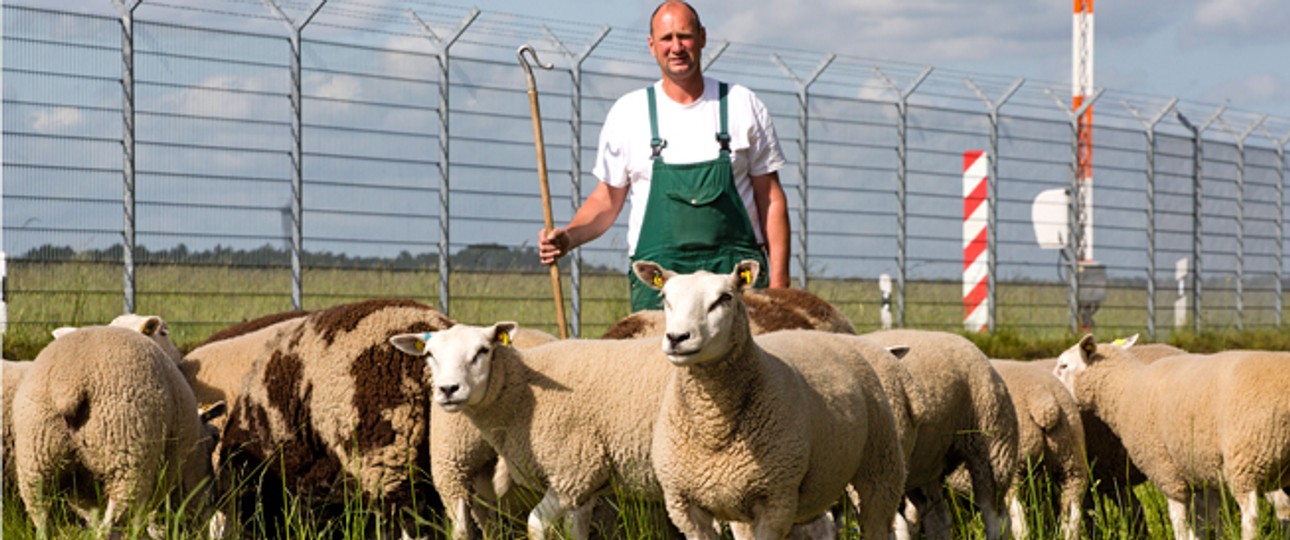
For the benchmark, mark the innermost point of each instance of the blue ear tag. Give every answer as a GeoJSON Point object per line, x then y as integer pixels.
{"type": "Point", "coordinates": [421, 343]}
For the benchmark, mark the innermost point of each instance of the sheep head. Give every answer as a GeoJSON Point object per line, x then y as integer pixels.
{"type": "Point", "coordinates": [460, 359]}
{"type": "Point", "coordinates": [702, 310]}
{"type": "Point", "coordinates": [1075, 360]}
{"type": "Point", "coordinates": [149, 325]}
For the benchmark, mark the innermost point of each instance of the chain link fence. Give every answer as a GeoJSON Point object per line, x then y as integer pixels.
{"type": "Point", "coordinates": [216, 161]}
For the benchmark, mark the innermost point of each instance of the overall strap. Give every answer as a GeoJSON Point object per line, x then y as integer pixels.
{"type": "Point", "coordinates": [655, 143]}
{"type": "Point", "coordinates": [723, 136]}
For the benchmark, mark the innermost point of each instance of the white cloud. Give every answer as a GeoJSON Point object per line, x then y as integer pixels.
{"type": "Point", "coordinates": [1242, 20]}
{"type": "Point", "coordinates": [1258, 91]}
{"type": "Point", "coordinates": [338, 87]}
{"type": "Point", "coordinates": [57, 119]}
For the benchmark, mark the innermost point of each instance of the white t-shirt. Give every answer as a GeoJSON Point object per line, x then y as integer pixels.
{"type": "Point", "coordinates": [691, 135]}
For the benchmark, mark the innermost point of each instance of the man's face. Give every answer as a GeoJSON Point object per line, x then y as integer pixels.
{"type": "Point", "coordinates": [677, 42]}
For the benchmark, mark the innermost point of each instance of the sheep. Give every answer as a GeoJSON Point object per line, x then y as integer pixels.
{"type": "Point", "coordinates": [968, 419]}
{"type": "Point", "coordinates": [330, 404]}
{"type": "Point", "coordinates": [1192, 423]}
{"type": "Point", "coordinates": [572, 416]}
{"type": "Point", "coordinates": [1110, 470]}
{"type": "Point", "coordinates": [765, 432]}
{"type": "Point", "coordinates": [769, 310]}
{"type": "Point", "coordinates": [216, 368]}
{"type": "Point", "coordinates": [14, 371]}
{"type": "Point", "coordinates": [1050, 438]}
{"type": "Point", "coordinates": [105, 410]}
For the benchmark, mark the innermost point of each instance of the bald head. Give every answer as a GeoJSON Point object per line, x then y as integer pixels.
{"type": "Point", "coordinates": [670, 5]}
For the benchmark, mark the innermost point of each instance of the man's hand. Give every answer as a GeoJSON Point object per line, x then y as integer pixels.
{"type": "Point", "coordinates": [552, 245]}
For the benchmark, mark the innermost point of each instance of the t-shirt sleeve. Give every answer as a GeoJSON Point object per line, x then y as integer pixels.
{"type": "Point", "coordinates": [764, 153]}
{"type": "Point", "coordinates": [613, 153]}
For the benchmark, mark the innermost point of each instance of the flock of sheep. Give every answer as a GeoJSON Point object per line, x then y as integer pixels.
{"type": "Point", "coordinates": [760, 410]}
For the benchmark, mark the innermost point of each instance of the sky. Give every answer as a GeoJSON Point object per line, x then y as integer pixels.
{"type": "Point", "coordinates": [1233, 52]}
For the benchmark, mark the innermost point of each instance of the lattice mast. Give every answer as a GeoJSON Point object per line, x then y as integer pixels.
{"type": "Point", "coordinates": [1082, 90]}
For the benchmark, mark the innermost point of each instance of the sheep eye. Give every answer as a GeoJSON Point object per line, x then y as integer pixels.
{"type": "Point", "coordinates": [724, 299]}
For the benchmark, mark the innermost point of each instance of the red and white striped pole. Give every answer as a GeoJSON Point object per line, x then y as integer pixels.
{"type": "Point", "coordinates": [1082, 90]}
{"type": "Point", "coordinates": [976, 256]}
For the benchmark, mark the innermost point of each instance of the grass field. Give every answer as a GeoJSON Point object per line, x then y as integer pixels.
{"type": "Point", "coordinates": [1033, 323]}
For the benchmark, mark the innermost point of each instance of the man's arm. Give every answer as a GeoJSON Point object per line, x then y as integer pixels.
{"type": "Point", "coordinates": [772, 214]}
{"type": "Point", "coordinates": [593, 218]}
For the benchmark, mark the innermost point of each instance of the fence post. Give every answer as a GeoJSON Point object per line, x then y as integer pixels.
{"type": "Point", "coordinates": [992, 247]}
{"type": "Point", "coordinates": [1197, 202]}
{"type": "Point", "coordinates": [1240, 214]}
{"type": "Point", "coordinates": [1280, 149]}
{"type": "Point", "coordinates": [1075, 208]}
{"type": "Point", "coordinates": [441, 57]}
{"type": "Point", "coordinates": [803, 143]}
{"type": "Point", "coordinates": [1149, 129]}
{"type": "Point", "coordinates": [902, 180]}
{"type": "Point", "coordinates": [575, 171]}
{"type": "Point", "coordinates": [297, 148]}
{"type": "Point", "coordinates": [126, 11]}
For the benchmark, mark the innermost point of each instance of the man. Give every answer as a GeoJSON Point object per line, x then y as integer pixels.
{"type": "Point", "coordinates": [699, 160]}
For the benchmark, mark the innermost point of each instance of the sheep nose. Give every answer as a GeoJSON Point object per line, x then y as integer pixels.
{"type": "Point", "coordinates": [449, 390]}
{"type": "Point", "coordinates": [675, 339]}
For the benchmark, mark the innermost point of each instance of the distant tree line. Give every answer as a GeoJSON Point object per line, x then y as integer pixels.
{"type": "Point", "coordinates": [477, 257]}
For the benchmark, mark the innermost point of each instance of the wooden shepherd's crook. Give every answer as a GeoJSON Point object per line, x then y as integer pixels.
{"type": "Point", "coordinates": [542, 174]}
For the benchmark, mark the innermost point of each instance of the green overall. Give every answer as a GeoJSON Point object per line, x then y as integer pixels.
{"type": "Point", "coordinates": [694, 218]}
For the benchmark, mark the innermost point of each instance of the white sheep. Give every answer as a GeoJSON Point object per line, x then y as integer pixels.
{"type": "Point", "coordinates": [1050, 437]}
{"type": "Point", "coordinates": [1192, 423]}
{"type": "Point", "coordinates": [574, 417]}
{"type": "Point", "coordinates": [104, 410]}
{"type": "Point", "coordinates": [769, 310]}
{"type": "Point", "coordinates": [769, 432]}
{"type": "Point", "coordinates": [968, 420]}
{"type": "Point", "coordinates": [14, 371]}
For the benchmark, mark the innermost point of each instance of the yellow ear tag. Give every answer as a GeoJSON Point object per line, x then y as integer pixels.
{"type": "Point", "coordinates": [149, 328]}
{"type": "Point", "coordinates": [1089, 348]}
{"type": "Point", "coordinates": [506, 339]}
{"type": "Point", "coordinates": [747, 277]}
{"type": "Point", "coordinates": [1118, 342]}
{"type": "Point", "coordinates": [658, 280]}
{"type": "Point", "coordinates": [421, 343]}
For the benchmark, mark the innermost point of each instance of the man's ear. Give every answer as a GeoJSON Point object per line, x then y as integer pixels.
{"type": "Point", "coordinates": [651, 274]}
{"type": "Point", "coordinates": [746, 273]}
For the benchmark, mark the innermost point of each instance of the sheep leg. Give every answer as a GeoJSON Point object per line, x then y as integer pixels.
{"type": "Point", "coordinates": [459, 513]}
{"type": "Point", "coordinates": [580, 520]}
{"type": "Point", "coordinates": [1017, 514]}
{"type": "Point", "coordinates": [694, 522]}
{"type": "Point", "coordinates": [933, 514]}
{"type": "Point", "coordinates": [876, 505]}
{"type": "Point", "coordinates": [820, 528]}
{"type": "Point", "coordinates": [1178, 517]}
{"type": "Point", "coordinates": [1249, 503]}
{"type": "Point", "coordinates": [547, 512]}
{"type": "Point", "coordinates": [1280, 504]}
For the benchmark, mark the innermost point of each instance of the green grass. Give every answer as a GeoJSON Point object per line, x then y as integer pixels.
{"type": "Point", "coordinates": [197, 301]}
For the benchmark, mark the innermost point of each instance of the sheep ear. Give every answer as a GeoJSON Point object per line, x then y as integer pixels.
{"type": "Point", "coordinates": [651, 274]}
{"type": "Point", "coordinates": [1087, 346]}
{"type": "Point", "coordinates": [503, 331]}
{"type": "Point", "coordinates": [211, 411]}
{"type": "Point", "coordinates": [62, 331]}
{"type": "Point", "coordinates": [413, 344]}
{"type": "Point", "coordinates": [746, 273]}
{"type": "Point", "coordinates": [899, 351]}
{"type": "Point", "coordinates": [1125, 343]}
{"type": "Point", "coordinates": [150, 325]}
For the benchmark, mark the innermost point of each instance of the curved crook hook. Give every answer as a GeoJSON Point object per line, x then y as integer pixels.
{"type": "Point", "coordinates": [528, 71]}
